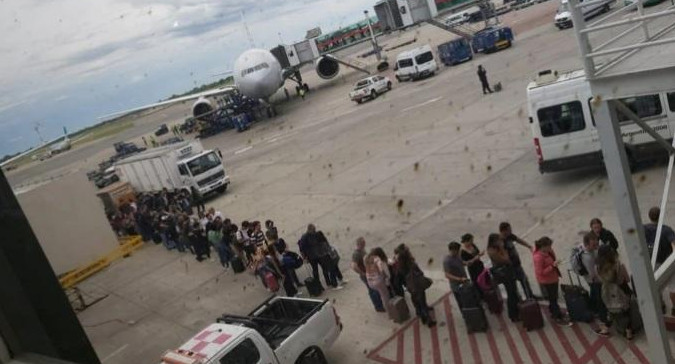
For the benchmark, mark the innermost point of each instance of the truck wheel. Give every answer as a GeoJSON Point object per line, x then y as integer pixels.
{"type": "Point", "coordinates": [398, 78]}
{"type": "Point", "coordinates": [222, 189]}
{"type": "Point", "coordinates": [373, 95]}
{"type": "Point", "coordinates": [359, 101]}
{"type": "Point", "coordinates": [312, 356]}
{"type": "Point", "coordinates": [388, 86]}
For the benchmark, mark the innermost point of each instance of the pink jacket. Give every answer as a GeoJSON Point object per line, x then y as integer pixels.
{"type": "Point", "coordinates": [544, 269]}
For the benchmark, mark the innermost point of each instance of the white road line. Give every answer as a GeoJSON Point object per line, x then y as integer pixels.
{"type": "Point", "coordinates": [422, 104]}
{"type": "Point", "coordinates": [114, 353]}
{"type": "Point", "coordinates": [272, 140]}
{"type": "Point", "coordinates": [563, 204]}
{"type": "Point", "coordinates": [243, 150]}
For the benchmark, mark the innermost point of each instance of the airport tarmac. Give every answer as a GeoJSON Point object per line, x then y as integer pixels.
{"type": "Point", "coordinates": [420, 165]}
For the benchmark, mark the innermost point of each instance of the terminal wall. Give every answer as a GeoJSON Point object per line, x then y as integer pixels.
{"type": "Point", "coordinates": [69, 221]}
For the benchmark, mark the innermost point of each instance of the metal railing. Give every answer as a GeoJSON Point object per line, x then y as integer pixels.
{"type": "Point", "coordinates": [590, 52]}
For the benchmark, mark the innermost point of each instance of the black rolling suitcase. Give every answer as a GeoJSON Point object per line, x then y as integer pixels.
{"type": "Point", "coordinates": [468, 295]}
{"type": "Point", "coordinates": [314, 286]}
{"type": "Point", "coordinates": [577, 301]}
{"type": "Point", "coordinates": [475, 319]}
{"type": "Point", "coordinates": [237, 265]}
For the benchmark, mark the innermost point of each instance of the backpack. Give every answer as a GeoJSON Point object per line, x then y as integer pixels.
{"type": "Point", "coordinates": [577, 262]}
{"type": "Point", "coordinates": [297, 261]}
{"type": "Point", "coordinates": [615, 298]}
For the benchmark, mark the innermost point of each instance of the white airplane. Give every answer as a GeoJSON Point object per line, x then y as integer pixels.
{"type": "Point", "coordinates": [258, 74]}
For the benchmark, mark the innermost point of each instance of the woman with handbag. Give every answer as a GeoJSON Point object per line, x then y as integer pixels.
{"type": "Point", "coordinates": [616, 292]}
{"type": "Point", "coordinates": [378, 275]}
{"type": "Point", "coordinates": [416, 283]}
{"type": "Point", "coordinates": [503, 273]}
{"type": "Point", "coordinates": [548, 275]}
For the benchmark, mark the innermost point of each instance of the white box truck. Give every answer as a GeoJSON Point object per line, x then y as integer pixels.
{"type": "Point", "coordinates": [180, 166]}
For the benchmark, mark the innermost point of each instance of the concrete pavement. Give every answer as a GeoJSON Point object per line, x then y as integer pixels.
{"type": "Point", "coordinates": [420, 165]}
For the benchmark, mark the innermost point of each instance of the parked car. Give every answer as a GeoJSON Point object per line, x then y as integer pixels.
{"type": "Point", "coordinates": [108, 178]}
{"type": "Point", "coordinates": [563, 17]}
{"type": "Point", "coordinates": [283, 330]}
{"type": "Point", "coordinates": [370, 87]}
{"type": "Point", "coordinates": [163, 129]}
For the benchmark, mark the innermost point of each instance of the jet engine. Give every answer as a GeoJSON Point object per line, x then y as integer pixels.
{"type": "Point", "coordinates": [201, 109]}
{"type": "Point", "coordinates": [327, 68]}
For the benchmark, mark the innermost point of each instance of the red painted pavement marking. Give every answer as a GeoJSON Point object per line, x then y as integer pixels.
{"type": "Point", "coordinates": [399, 349]}
{"type": "Point", "coordinates": [493, 347]}
{"type": "Point", "coordinates": [615, 354]}
{"type": "Point", "coordinates": [416, 341]}
{"type": "Point", "coordinates": [450, 323]}
{"type": "Point", "coordinates": [474, 349]}
{"type": "Point", "coordinates": [528, 345]}
{"type": "Point", "coordinates": [564, 341]}
{"type": "Point", "coordinates": [549, 348]}
{"type": "Point", "coordinates": [590, 351]}
{"type": "Point", "coordinates": [435, 347]}
{"type": "Point", "coordinates": [638, 353]}
{"type": "Point", "coordinates": [509, 341]}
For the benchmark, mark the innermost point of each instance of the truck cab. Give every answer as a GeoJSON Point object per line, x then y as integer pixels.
{"type": "Point", "coordinates": [415, 64]}
{"type": "Point", "coordinates": [282, 330]}
{"type": "Point", "coordinates": [204, 172]}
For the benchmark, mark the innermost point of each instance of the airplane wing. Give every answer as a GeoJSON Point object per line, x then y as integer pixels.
{"type": "Point", "coordinates": [212, 92]}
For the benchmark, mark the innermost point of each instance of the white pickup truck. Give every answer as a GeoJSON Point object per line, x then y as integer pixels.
{"type": "Point", "coordinates": [370, 87]}
{"type": "Point", "coordinates": [282, 330]}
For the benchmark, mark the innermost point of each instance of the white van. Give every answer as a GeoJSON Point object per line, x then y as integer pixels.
{"type": "Point", "coordinates": [415, 64]}
{"type": "Point", "coordinates": [564, 130]}
{"type": "Point", "coordinates": [563, 17]}
{"type": "Point", "coordinates": [456, 19]}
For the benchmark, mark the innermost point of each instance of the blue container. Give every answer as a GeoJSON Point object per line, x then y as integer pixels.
{"type": "Point", "coordinates": [492, 39]}
{"type": "Point", "coordinates": [455, 51]}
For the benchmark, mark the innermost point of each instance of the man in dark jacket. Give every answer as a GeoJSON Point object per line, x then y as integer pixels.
{"type": "Point", "coordinates": [605, 237]}
{"type": "Point", "coordinates": [482, 76]}
{"type": "Point", "coordinates": [316, 251]}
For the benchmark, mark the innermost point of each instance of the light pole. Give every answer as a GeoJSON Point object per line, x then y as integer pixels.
{"type": "Point", "coordinates": [372, 37]}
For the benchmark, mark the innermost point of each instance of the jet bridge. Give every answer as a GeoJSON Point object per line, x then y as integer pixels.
{"type": "Point", "coordinates": [627, 58]}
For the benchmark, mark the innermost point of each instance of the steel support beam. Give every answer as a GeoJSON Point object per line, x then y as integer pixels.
{"type": "Point", "coordinates": [622, 108]}
{"type": "Point", "coordinates": [625, 203]}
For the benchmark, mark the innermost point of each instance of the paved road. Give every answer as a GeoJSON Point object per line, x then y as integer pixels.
{"type": "Point", "coordinates": [420, 165]}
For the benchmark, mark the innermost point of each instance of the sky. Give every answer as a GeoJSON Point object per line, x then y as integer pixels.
{"type": "Point", "coordinates": [68, 62]}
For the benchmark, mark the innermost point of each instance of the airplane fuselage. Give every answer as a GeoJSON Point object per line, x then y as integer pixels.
{"type": "Point", "coordinates": [257, 74]}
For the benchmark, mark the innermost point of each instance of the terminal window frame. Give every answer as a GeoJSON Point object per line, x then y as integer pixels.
{"type": "Point", "coordinates": [244, 353]}
{"type": "Point", "coordinates": [575, 123]}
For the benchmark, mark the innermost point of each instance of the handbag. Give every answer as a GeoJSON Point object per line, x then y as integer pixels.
{"type": "Point", "coordinates": [416, 281]}
{"type": "Point", "coordinates": [503, 273]}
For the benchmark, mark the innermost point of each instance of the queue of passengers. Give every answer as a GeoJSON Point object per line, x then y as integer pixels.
{"type": "Point", "coordinates": [610, 302]}
{"type": "Point", "coordinates": [169, 218]}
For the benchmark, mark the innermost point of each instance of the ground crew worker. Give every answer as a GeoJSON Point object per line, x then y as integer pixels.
{"type": "Point", "coordinates": [482, 76]}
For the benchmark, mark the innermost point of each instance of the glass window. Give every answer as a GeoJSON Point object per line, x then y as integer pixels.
{"type": "Point", "coordinates": [202, 164]}
{"type": "Point", "coordinates": [424, 57]}
{"type": "Point", "coordinates": [671, 101]}
{"type": "Point", "coordinates": [561, 119]}
{"type": "Point", "coordinates": [642, 106]}
{"type": "Point", "coordinates": [244, 353]}
{"type": "Point", "coordinates": [182, 169]}
{"type": "Point", "coordinates": [405, 63]}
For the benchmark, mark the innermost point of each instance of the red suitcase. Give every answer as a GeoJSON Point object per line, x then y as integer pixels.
{"type": "Point", "coordinates": [530, 314]}
{"type": "Point", "coordinates": [272, 282]}
{"type": "Point", "coordinates": [493, 298]}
